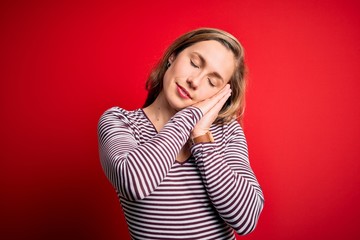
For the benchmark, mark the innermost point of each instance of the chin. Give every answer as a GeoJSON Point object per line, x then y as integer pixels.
{"type": "Point", "coordinates": [178, 106]}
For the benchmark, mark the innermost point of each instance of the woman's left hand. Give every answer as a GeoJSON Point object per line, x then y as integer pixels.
{"type": "Point", "coordinates": [214, 104]}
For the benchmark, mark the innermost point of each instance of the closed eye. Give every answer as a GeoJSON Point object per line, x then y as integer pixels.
{"type": "Point", "coordinates": [210, 82]}
{"type": "Point", "coordinates": [193, 64]}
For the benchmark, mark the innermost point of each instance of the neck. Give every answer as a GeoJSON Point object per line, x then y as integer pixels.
{"type": "Point", "coordinates": [159, 112]}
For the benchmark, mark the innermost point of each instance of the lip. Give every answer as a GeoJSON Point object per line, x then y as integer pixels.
{"type": "Point", "coordinates": [182, 92]}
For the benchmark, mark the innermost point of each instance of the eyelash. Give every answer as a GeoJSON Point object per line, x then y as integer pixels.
{"type": "Point", "coordinates": [195, 66]}
{"type": "Point", "coordinates": [211, 84]}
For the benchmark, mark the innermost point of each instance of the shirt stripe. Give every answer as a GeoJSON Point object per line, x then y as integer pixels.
{"type": "Point", "coordinates": [212, 195]}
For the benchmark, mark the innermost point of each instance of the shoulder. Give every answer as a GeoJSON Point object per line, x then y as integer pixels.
{"type": "Point", "coordinates": [122, 114]}
{"type": "Point", "coordinates": [228, 131]}
{"type": "Point", "coordinates": [228, 128]}
{"type": "Point", "coordinates": [235, 127]}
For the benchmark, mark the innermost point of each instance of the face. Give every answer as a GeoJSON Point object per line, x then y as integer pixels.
{"type": "Point", "coordinates": [197, 73]}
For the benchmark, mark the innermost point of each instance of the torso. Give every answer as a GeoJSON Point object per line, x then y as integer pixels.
{"type": "Point", "coordinates": [158, 124]}
{"type": "Point", "coordinates": [179, 207]}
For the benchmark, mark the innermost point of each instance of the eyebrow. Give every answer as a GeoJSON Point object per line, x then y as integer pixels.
{"type": "Point", "coordinates": [203, 62]}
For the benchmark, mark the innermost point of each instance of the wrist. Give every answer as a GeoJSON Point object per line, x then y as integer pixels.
{"type": "Point", "coordinates": [206, 137]}
{"type": "Point", "coordinates": [198, 133]}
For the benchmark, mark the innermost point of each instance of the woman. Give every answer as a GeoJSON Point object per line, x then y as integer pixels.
{"type": "Point", "coordinates": [180, 165]}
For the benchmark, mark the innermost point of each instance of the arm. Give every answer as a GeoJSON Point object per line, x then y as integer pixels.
{"type": "Point", "coordinates": [229, 179]}
{"type": "Point", "coordinates": [136, 170]}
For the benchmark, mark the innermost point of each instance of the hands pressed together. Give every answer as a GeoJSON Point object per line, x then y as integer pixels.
{"type": "Point", "coordinates": [210, 108]}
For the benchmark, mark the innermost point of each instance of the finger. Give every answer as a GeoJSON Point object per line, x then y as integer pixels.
{"type": "Point", "coordinates": [219, 100]}
{"type": "Point", "coordinates": [209, 103]}
{"type": "Point", "coordinates": [224, 91]}
{"type": "Point", "coordinates": [218, 96]}
{"type": "Point", "coordinates": [220, 103]}
{"type": "Point", "coordinates": [204, 124]}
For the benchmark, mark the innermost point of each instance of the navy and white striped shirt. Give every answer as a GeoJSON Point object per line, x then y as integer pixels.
{"type": "Point", "coordinates": [208, 196]}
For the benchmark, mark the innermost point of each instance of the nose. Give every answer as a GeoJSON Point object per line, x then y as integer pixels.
{"type": "Point", "coordinates": [193, 82]}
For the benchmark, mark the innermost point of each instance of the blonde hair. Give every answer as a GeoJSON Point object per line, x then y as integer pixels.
{"type": "Point", "coordinates": [235, 105]}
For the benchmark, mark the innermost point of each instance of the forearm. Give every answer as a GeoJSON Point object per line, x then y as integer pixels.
{"type": "Point", "coordinates": [136, 170]}
{"type": "Point", "coordinates": [230, 184]}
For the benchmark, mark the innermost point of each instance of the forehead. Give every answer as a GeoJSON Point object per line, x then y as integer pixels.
{"type": "Point", "coordinates": [217, 57]}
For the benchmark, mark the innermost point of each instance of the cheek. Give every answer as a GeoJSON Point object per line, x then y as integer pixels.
{"type": "Point", "coordinates": [182, 68]}
{"type": "Point", "coordinates": [206, 94]}
{"type": "Point", "coordinates": [166, 79]}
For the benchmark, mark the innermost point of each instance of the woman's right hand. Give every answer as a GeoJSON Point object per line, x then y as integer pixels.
{"type": "Point", "coordinates": [210, 108]}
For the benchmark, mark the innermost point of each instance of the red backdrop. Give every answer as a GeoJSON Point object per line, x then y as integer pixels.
{"type": "Point", "coordinates": [63, 64]}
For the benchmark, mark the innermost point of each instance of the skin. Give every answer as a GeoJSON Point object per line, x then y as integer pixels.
{"type": "Point", "coordinates": [198, 76]}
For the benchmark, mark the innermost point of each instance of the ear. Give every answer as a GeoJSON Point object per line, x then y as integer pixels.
{"type": "Point", "coordinates": [171, 58]}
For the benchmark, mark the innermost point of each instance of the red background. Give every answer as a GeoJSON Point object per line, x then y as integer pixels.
{"type": "Point", "coordinates": [63, 64]}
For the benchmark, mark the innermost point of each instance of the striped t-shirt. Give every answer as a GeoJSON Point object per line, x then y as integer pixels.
{"type": "Point", "coordinates": [210, 195]}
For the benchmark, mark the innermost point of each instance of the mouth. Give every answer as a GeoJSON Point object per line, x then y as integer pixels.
{"type": "Point", "coordinates": [182, 92]}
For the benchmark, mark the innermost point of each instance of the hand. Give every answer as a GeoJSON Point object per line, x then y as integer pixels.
{"type": "Point", "coordinates": [210, 108]}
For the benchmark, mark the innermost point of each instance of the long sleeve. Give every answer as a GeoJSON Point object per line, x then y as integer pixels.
{"type": "Point", "coordinates": [134, 169]}
{"type": "Point", "coordinates": [229, 179]}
